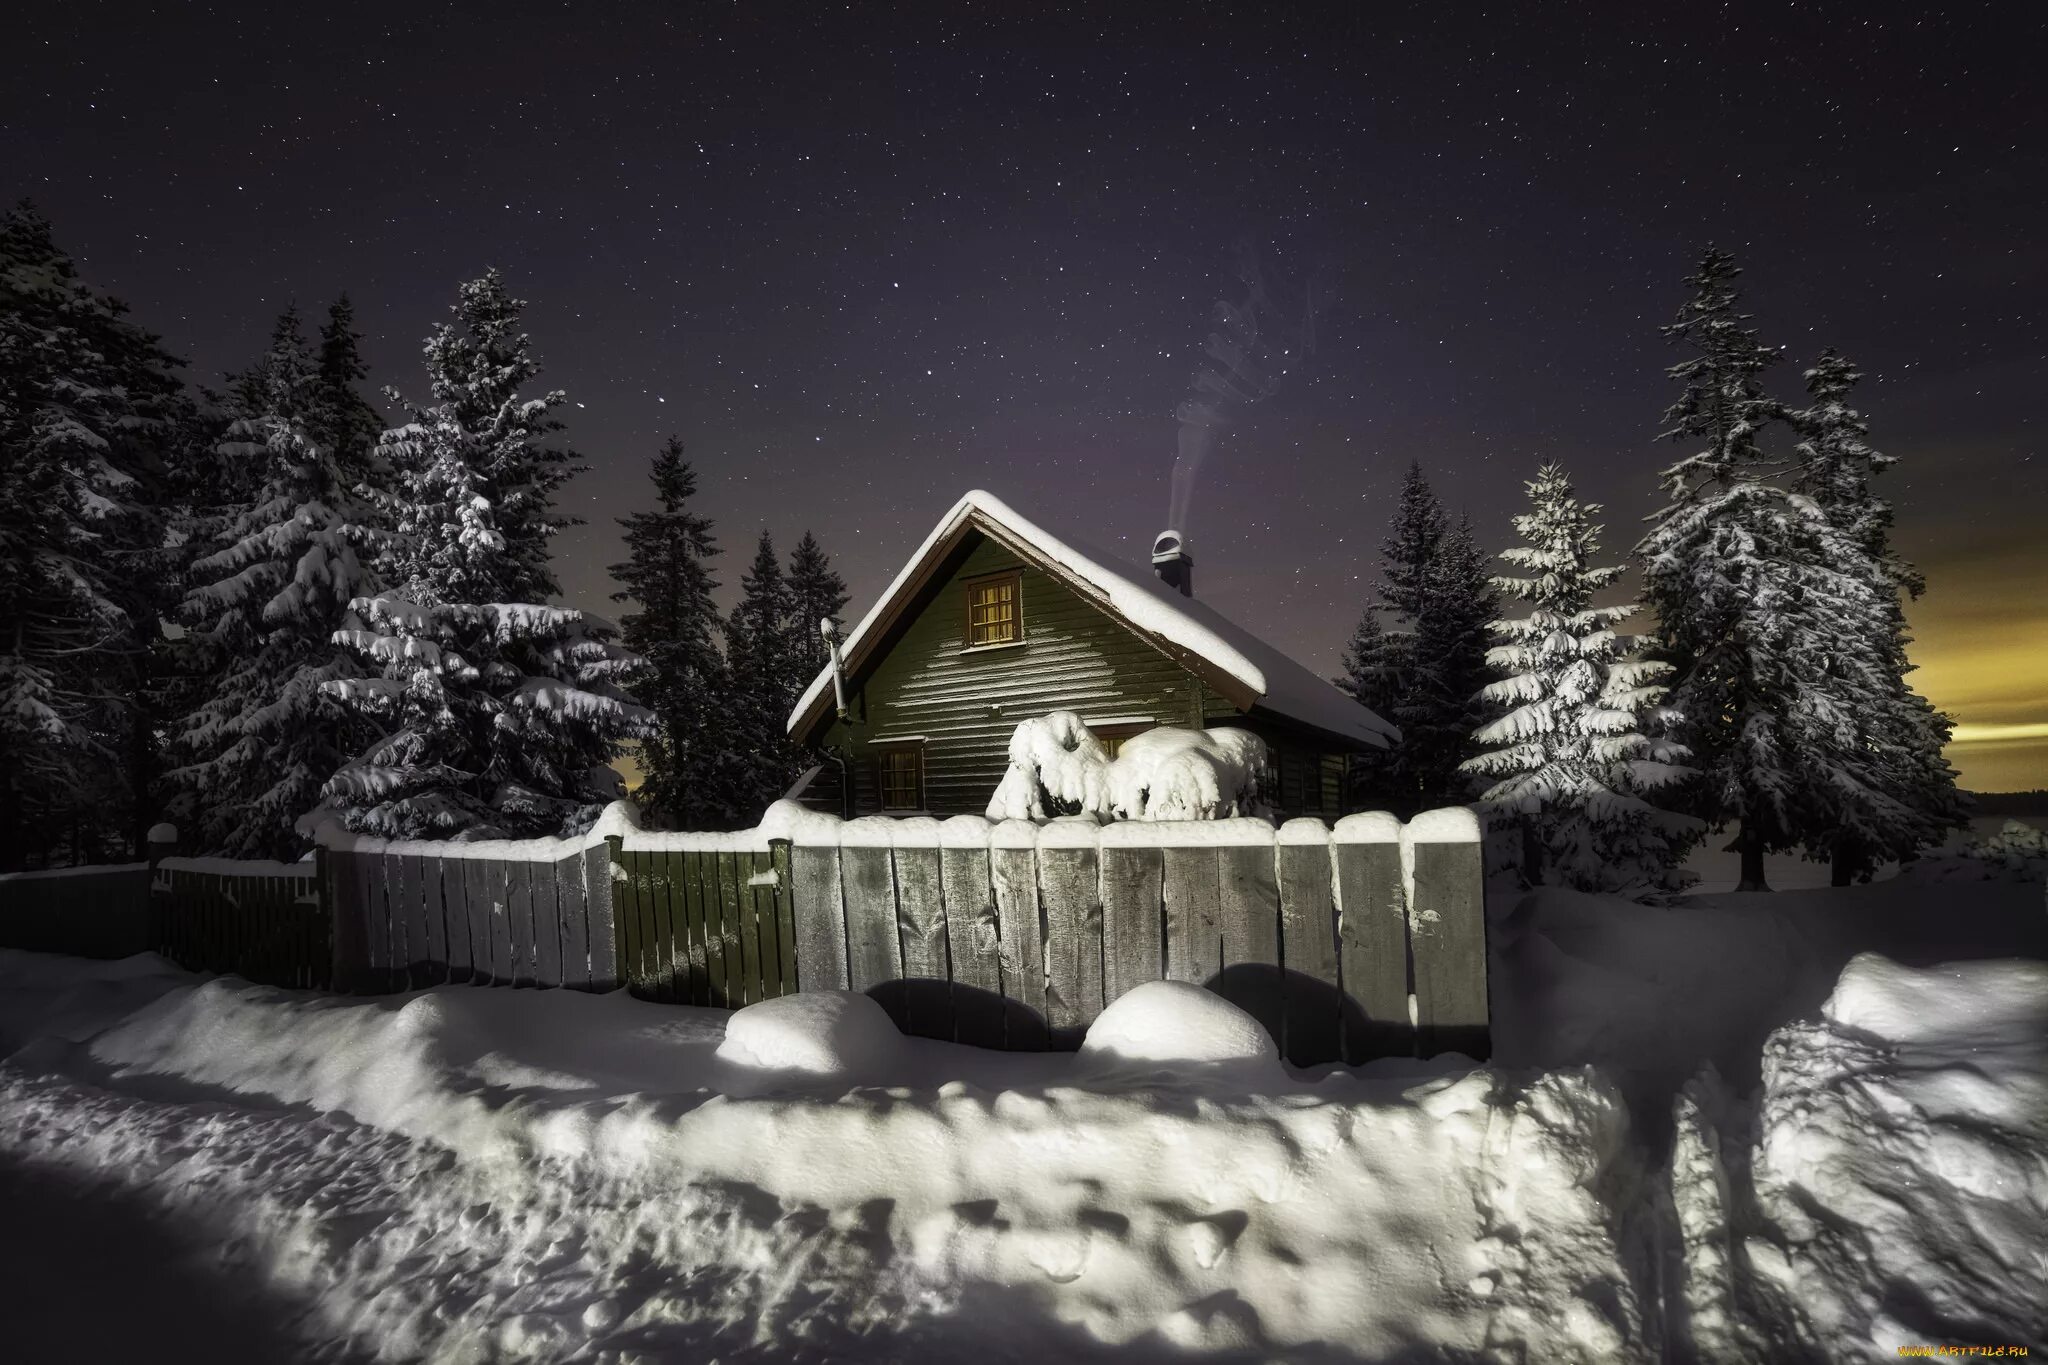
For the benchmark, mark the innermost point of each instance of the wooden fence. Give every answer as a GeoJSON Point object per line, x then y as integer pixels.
{"type": "Point", "coordinates": [1359, 941]}
{"type": "Point", "coordinates": [261, 921]}
{"type": "Point", "coordinates": [411, 914]}
{"type": "Point", "coordinates": [83, 911]}
{"type": "Point", "coordinates": [1363, 941]}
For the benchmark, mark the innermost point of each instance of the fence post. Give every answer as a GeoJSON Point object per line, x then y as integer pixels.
{"type": "Point", "coordinates": [161, 843]}
{"type": "Point", "coordinates": [1442, 856]}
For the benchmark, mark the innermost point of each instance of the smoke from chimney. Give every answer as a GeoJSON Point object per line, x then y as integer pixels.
{"type": "Point", "coordinates": [1172, 562]}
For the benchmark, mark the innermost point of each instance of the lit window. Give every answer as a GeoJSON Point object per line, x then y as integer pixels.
{"type": "Point", "coordinates": [1113, 736]}
{"type": "Point", "coordinates": [903, 778]}
{"type": "Point", "coordinates": [995, 610]}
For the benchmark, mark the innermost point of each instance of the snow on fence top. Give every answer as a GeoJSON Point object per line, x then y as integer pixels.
{"type": "Point", "coordinates": [1282, 684]}
{"type": "Point", "coordinates": [237, 867]}
{"type": "Point", "coordinates": [800, 825]}
{"type": "Point", "coordinates": [89, 870]}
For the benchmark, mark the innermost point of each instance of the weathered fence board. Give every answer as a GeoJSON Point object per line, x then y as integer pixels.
{"type": "Point", "coordinates": [872, 943]}
{"type": "Point", "coordinates": [1192, 894]}
{"type": "Point", "coordinates": [572, 901]}
{"type": "Point", "coordinates": [1448, 933]}
{"type": "Point", "coordinates": [600, 924]}
{"type": "Point", "coordinates": [1133, 929]}
{"type": "Point", "coordinates": [921, 925]}
{"type": "Point", "coordinates": [1372, 944]}
{"type": "Point", "coordinates": [1071, 903]}
{"type": "Point", "coordinates": [820, 917]}
{"type": "Point", "coordinates": [1250, 973]}
{"type": "Point", "coordinates": [1308, 945]}
{"type": "Point", "coordinates": [974, 944]}
{"type": "Point", "coordinates": [1013, 877]}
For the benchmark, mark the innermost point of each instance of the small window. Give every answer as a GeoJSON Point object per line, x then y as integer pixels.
{"type": "Point", "coordinates": [1113, 736]}
{"type": "Point", "coordinates": [995, 610]}
{"type": "Point", "coordinates": [903, 778]}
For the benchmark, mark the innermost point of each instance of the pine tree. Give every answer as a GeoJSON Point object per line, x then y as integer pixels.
{"type": "Point", "coordinates": [1422, 667]}
{"type": "Point", "coordinates": [816, 593]}
{"type": "Point", "coordinates": [343, 422]}
{"type": "Point", "coordinates": [757, 661]}
{"type": "Point", "coordinates": [92, 418]}
{"type": "Point", "coordinates": [689, 779]}
{"type": "Point", "coordinates": [1719, 572]}
{"type": "Point", "coordinates": [475, 461]}
{"type": "Point", "coordinates": [501, 715]}
{"type": "Point", "coordinates": [1447, 667]}
{"type": "Point", "coordinates": [1900, 735]}
{"type": "Point", "coordinates": [501, 719]}
{"type": "Point", "coordinates": [268, 594]}
{"type": "Point", "coordinates": [1573, 766]}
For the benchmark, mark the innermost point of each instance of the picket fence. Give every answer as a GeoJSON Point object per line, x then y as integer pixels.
{"type": "Point", "coordinates": [1349, 943]}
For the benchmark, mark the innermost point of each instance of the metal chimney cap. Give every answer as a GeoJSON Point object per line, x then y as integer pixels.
{"type": "Point", "coordinates": [1169, 545]}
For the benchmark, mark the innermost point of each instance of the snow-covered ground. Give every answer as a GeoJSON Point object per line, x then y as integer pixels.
{"type": "Point", "coordinates": [480, 1175]}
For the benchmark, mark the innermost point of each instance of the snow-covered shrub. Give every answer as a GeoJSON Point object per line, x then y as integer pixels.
{"type": "Point", "coordinates": [2019, 847]}
{"type": "Point", "coordinates": [1058, 767]}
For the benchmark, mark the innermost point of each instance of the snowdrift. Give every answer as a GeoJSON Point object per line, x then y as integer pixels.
{"type": "Point", "coordinates": [543, 1175]}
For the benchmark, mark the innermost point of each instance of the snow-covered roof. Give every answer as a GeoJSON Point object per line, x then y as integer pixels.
{"type": "Point", "coordinates": [1280, 685]}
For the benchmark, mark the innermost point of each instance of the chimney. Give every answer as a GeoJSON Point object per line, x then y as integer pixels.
{"type": "Point", "coordinates": [1172, 562]}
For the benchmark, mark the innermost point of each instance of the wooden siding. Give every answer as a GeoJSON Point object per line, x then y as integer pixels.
{"type": "Point", "coordinates": [1073, 657]}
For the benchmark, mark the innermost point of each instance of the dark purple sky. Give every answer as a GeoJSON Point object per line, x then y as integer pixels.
{"type": "Point", "coordinates": [864, 261]}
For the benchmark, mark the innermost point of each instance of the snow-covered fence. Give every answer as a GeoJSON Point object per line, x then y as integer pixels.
{"type": "Point", "coordinates": [83, 911]}
{"type": "Point", "coordinates": [261, 921]}
{"type": "Point", "coordinates": [411, 913]}
{"type": "Point", "coordinates": [1366, 940]}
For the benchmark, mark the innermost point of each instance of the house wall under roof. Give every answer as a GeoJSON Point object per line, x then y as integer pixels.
{"type": "Point", "coordinates": [959, 705]}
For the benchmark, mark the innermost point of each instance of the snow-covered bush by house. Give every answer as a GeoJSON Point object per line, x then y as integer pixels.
{"type": "Point", "coordinates": [1058, 767]}
{"type": "Point", "coordinates": [501, 720]}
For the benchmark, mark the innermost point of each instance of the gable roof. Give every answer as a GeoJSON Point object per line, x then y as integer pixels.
{"type": "Point", "coordinates": [1241, 666]}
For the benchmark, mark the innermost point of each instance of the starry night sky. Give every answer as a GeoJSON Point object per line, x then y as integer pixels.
{"type": "Point", "coordinates": [863, 260]}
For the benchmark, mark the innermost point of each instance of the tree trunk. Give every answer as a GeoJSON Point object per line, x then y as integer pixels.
{"type": "Point", "coordinates": [1846, 865]}
{"type": "Point", "coordinates": [1751, 843]}
{"type": "Point", "coordinates": [1532, 855]}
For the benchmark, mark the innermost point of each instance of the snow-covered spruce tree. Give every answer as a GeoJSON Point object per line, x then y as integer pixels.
{"type": "Point", "coordinates": [1572, 768]}
{"type": "Point", "coordinates": [690, 780]}
{"type": "Point", "coordinates": [757, 661]}
{"type": "Point", "coordinates": [501, 715]}
{"type": "Point", "coordinates": [1718, 574]}
{"type": "Point", "coordinates": [268, 593]}
{"type": "Point", "coordinates": [92, 415]}
{"type": "Point", "coordinates": [1903, 735]}
{"type": "Point", "coordinates": [475, 478]}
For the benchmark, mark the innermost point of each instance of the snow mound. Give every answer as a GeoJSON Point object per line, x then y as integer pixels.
{"type": "Point", "coordinates": [1904, 1142]}
{"type": "Point", "coordinates": [1178, 1021]}
{"type": "Point", "coordinates": [820, 1033]}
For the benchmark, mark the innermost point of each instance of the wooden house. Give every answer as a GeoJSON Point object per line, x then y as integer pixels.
{"type": "Point", "coordinates": [995, 619]}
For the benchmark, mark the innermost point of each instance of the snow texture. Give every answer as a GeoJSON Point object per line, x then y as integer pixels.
{"type": "Point", "coordinates": [94, 870]}
{"type": "Point", "coordinates": [1283, 686]}
{"type": "Point", "coordinates": [236, 867]}
{"type": "Point", "coordinates": [471, 1174]}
